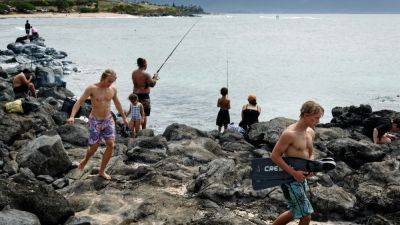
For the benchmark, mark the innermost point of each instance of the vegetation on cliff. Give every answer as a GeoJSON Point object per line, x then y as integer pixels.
{"type": "Point", "coordinates": [90, 6]}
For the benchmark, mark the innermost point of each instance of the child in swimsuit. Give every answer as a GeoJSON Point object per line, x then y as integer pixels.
{"type": "Point", "coordinates": [224, 104]}
{"type": "Point", "coordinates": [137, 113]}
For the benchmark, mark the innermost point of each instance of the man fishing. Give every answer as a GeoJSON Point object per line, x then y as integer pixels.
{"type": "Point", "coordinates": [142, 82]}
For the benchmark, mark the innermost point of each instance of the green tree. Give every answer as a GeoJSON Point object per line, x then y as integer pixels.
{"type": "Point", "coordinates": [24, 7]}
{"type": "Point", "coordinates": [4, 9]}
{"type": "Point", "coordinates": [64, 5]}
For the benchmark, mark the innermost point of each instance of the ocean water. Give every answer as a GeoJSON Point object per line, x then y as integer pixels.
{"type": "Point", "coordinates": [336, 60]}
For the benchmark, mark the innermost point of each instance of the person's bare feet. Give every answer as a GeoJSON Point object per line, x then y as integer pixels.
{"type": "Point", "coordinates": [105, 176]}
{"type": "Point", "coordinates": [82, 165]}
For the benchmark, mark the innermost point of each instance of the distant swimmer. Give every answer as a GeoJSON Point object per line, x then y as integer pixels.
{"type": "Point", "coordinates": [277, 17]}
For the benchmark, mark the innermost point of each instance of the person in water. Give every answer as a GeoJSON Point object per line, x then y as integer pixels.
{"type": "Point", "coordinates": [250, 113]}
{"type": "Point", "coordinates": [381, 134]}
{"type": "Point", "coordinates": [101, 123]}
{"type": "Point", "coordinates": [22, 84]}
{"type": "Point", "coordinates": [297, 141]}
{"type": "Point", "coordinates": [224, 104]}
{"type": "Point", "coordinates": [137, 114]}
{"type": "Point", "coordinates": [142, 82]}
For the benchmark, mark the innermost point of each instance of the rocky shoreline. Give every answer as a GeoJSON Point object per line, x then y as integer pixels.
{"type": "Point", "coordinates": [183, 176]}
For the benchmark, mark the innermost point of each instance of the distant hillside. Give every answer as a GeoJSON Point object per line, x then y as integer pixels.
{"type": "Point", "coordinates": [292, 6]}
{"type": "Point", "coordinates": [90, 6]}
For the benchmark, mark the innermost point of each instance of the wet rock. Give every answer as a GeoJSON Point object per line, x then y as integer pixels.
{"type": "Point", "coordinates": [387, 172]}
{"type": "Point", "coordinates": [332, 201]}
{"type": "Point", "coordinates": [17, 217]}
{"type": "Point", "coordinates": [328, 134]}
{"type": "Point", "coordinates": [350, 116]}
{"type": "Point", "coordinates": [377, 197]}
{"type": "Point", "coordinates": [11, 167]}
{"type": "Point", "coordinates": [46, 178]}
{"type": "Point", "coordinates": [230, 136]}
{"type": "Point", "coordinates": [76, 134]}
{"type": "Point", "coordinates": [145, 133]}
{"type": "Point", "coordinates": [60, 183]}
{"type": "Point", "coordinates": [216, 180]}
{"type": "Point", "coordinates": [44, 155]}
{"type": "Point", "coordinates": [157, 142]}
{"type": "Point", "coordinates": [55, 92]}
{"type": "Point", "coordinates": [356, 153]}
{"type": "Point", "coordinates": [176, 132]}
{"type": "Point", "coordinates": [60, 118]}
{"type": "Point", "coordinates": [138, 154]}
{"type": "Point", "coordinates": [82, 220]}
{"type": "Point", "coordinates": [31, 196]}
{"type": "Point", "coordinates": [269, 132]}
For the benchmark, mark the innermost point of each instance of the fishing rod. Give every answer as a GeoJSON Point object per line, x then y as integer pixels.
{"type": "Point", "coordinates": [227, 72]}
{"type": "Point", "coordinates": [173, 50]}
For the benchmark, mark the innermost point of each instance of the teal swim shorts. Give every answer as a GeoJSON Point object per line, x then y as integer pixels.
{"type": "Point", "coordinates": [297, 196]}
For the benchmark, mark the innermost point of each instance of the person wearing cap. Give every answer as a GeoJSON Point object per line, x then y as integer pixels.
{"type": "Point", "coordinates": [250, 113]}
{"type": "Point", "coordinates": [22, 84]}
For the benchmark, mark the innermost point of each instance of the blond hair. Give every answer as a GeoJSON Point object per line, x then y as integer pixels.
{"type": "Point", "coordinates": [311, 107]}
{"type": "Point", "coordinates": [107, 73]}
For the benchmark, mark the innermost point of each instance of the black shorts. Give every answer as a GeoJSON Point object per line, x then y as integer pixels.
{"type": "Point", "coordinates": [223, 118]}
{"type": "Point", "coordinates": [144, 98]}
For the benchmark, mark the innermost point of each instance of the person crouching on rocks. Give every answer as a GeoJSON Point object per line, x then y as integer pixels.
{"type": "Point", "coordinates": [297, 141]}
{"type": "Point", "coordinates": [381, 133]}
{"type": "Point", "coordinates": [101, 123]}
{"type": "Point", "coordinates": [22, 84]}
{"type": "Point", "coordinates": [137, 114]}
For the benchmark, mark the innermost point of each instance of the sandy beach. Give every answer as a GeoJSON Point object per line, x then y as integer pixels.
{"type": "Point", "coordinates": [68, 15]}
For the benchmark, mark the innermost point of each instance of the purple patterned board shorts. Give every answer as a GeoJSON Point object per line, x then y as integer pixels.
{"type": "Point", "coordinates": [101, 129]}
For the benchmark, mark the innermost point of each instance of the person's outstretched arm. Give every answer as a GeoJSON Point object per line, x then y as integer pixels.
{"type": "Point", "coordinates": [375, 136]}
{"type": "Point", "coordinates": [77, 105]}
{"type": "Point", "coordinates": [117, 104]}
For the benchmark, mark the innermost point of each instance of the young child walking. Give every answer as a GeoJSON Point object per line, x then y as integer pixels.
{"type": "Point", "coordinates": [224, 104]}
{"type": "Point", "coordinates": [137, 114]}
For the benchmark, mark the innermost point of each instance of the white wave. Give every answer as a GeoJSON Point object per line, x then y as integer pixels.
{"type": "Point", "coordinates": [19, 28]}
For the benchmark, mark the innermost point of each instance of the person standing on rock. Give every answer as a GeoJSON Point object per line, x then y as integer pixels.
{"type": "Point", "coordinates": [142, 82]}
{"type": "Point", "coordinates": [224, 104]}
{"type": "Point", "coordinates": [297, 141]}
{"type": "Point", "coordinates": [27, 28]}
{"type": "Point", "coordinates": [101, 123]}
{"type": "Point", "coordinates": [22, 84]}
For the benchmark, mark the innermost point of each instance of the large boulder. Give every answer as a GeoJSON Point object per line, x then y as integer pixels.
{"type": "Point", "coordinates": [269, 132]}
{"type": "Point", "coordinates": [378, 198]}
{"type": "Point", "coordinates": [350, 116]}
{"type": "Point", "coordinates": [197, 150]}
{"type": "Point", "coordinates": [387, 171]}
{"type": "Point", "coordinates": [14, 217]}
{"type": "Point", "coordinates": [176, 132]}
{"type": "Point", "coordinates": [55, 92]}
{"type": "Point", "coordinates": [44, 155]}
{"type": "Point", "coordinates": [328, 134]}
{"type": "Point", "coordinates": [32, 196]}
{"type": "Point", "coordinates": [76, 134]}
{"type": "Point", "coordinates": [332, 201]}
{"type": "Point", "coordinates": [216, 181]}
{"type": "Point", "coordinates": [356, 153]}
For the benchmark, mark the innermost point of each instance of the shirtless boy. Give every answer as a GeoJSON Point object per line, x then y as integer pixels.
{"type": "Point", "coordinates": [101, 123]}
{"type": "Point", "coordinates": [297, 141]}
